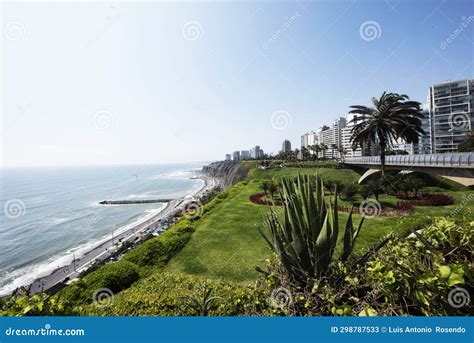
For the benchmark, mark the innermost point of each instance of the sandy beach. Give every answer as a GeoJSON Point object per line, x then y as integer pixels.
{"type": "Point", "coordinates": [66, 274]}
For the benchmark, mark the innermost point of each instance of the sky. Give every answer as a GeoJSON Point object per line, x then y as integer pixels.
{"type": "Point", "coordinates": [127, 82]}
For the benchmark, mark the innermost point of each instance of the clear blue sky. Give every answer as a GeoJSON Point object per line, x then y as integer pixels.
{"type": "Point", "coordinates": [159, 82]}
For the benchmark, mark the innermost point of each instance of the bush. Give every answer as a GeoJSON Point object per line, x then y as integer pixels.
{"type": "Point", "coordinates": [168, 294]}
{"type": "Point", "coordinates": [424, 274]}
{"type": "Point", "coordinates": [349, 190]}
{"type": "Point", "coordinates": [115, 277]}
{"type": "Point", "coordinates": [159, 250]}
{"type": "Point", "coordinates": [429, 200]}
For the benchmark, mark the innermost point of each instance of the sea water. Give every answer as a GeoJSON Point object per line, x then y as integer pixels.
{"type": "Point", "coordinates": [48, 214]}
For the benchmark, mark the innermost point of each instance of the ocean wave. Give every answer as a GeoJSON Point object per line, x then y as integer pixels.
{"type": "Point", "coordinates": [26, 275]}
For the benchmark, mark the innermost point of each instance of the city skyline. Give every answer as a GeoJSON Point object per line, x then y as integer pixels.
{"type": "Point", "coordinates": [137, 86]}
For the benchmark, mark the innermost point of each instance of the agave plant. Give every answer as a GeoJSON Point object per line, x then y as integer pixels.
{"type": "Point", "coordinates": [305, 236]}
{"type": "Point", "coordinates": [202, 305]}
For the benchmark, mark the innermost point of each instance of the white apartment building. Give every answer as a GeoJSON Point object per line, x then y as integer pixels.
{"type": "Point", "coordinates": [331, 136]}
{"type": "Point", "coordinates": [308, 139]}
{"type": "Point", "coordinates": [451, 107]}
{"type": "Point", "coordinates": [447, 119]}
{"type": "Point", "coordinates": [346, 134]}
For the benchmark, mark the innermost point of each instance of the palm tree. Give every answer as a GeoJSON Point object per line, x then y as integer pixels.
{"type": "Point", "coordinates": [333, 148]}
{"type": "Point", "coordinates": [342, 153]}
{"type": "Point", "coordinates": [317, 149]}
{"type": "Point", "coordinates": [305, 153]}
{"type": "Point", "coordinates": [323, 148]}
{"type": "Point", "coordinates": [296, 153]}
{"type": "Point", "coordinates": [393, 117]}
{"type": "Point", "coordinates": [265, 186]}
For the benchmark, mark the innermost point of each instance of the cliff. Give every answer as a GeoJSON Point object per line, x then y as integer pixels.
{"type": "Point", "coordinates": [230, 172]}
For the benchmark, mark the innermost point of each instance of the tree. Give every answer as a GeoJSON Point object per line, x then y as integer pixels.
{"type": "Point", "coordinates": [393, 117]}
{"type": "Point", "coordinates": [333, 148]}
{"type": "Point", "coordinates": [295, 154]}
{"type": "Point", "coordinates": [342, 153]}
{"type": "Point", "coordinates": [316, 149]}
{"type": "Point", "coordinates": [349, 190]}
{"type": "Point", "coordinates": [323, 147]}
{"type": "Point", "coordinates": [412, 183]}
{"type": "Point", "coordinates": [305, 154]}
{"type": "Point", "coordinates": [376, 188]}
{"type": "Point", "coordinates": [265, 186]}
{"type": "Point", "coordinates": [272, 188]}
{"type": "Point", "coordinates": [365, 191]}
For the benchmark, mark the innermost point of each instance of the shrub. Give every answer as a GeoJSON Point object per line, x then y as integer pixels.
{"type": "Point", "coordinates": [429, 200]}
{"type": "Point", "coordinates": [114, 276]}
{"type": "Point", "coordinates": [376, 188]}
{"type": "Point", "coordinates": [405, 206]}
{"type": "Point", "coordinates": [306, 236]}
{"type": "Point", "coordinates": [424, 274]}
{"type": "Point", "coordinates": [349, 190]}
{"type": "Point", "coordinates": [167, 294]}
{"type": "Point", "coordinates": [159, 250]}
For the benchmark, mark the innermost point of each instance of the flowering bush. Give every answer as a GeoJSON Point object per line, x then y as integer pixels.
{"type": "Point", "coordinates": [429, 200]}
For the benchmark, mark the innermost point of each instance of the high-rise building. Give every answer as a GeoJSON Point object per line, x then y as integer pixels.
{"type": "Point", "coordinates": [451, 107]}
{"type": "Point", "coordinates": [425, 143]}
{"type": "Point", "coordinates": [256, 152]}
{"type": "Point", "coordinates": [352, 150]}
{"type": "Point", "coordinates": [309, 139]}
{"type": "Point", "coordinates": [331, 137]}
{"type": "Point", "coordinates": [447, 119]}
{"type": "Point", "coordinates": [286, 146]}
{"type": "Point", "coordinates": [236, 156]}
{"type": "Point", "coordinates": [228, 157]}
{"type": "Point", "coordinates": [244, 154]}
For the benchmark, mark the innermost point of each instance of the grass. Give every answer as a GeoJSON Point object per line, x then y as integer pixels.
{"type": "Point", "coordinates": [222, 244]}
{"type": "Point", "coordinates": [227, 245]}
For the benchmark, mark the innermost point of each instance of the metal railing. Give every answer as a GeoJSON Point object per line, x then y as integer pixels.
{"type": "Point", "coordinates": [448, 160]}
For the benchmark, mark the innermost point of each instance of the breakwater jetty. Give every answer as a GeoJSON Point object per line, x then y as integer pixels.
{"type": "Point", "coordinates": [131, 202]}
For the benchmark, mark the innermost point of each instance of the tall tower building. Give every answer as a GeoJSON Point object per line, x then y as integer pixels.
{"type": "Point", "coordinates": [451, 106]}
{"type": "Point", "coordinates": [286, 146]}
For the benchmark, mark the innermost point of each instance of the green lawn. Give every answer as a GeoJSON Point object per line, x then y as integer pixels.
{"type": "Point", "coordinates": [227, 245]}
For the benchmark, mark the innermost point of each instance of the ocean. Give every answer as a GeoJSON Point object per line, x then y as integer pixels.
{"type": "Point", "coordinates": [49, 214]}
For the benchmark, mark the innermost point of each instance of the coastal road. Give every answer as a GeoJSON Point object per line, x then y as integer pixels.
{"type": "Point", "coordinates": [108, 247]}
